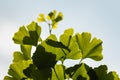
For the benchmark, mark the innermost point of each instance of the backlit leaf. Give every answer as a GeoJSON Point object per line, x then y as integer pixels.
{"type": "Point", "coordinates": [41, 18]}
{"type": "Point", "coordinates": [9, 78]}
{"type": "Point", "coordinates": [29, 35]}
{"type": "Point", "coordinates": [89, 48]}
{"type": "Point", "coordinates": [68, 40]}
{"type": "Point", "coordinates": [35, 74]}
{"type": "Point", "coordinates": [43, 59]}
{"type": "Point", "coordinates": [16, 69]}
{"type": "Point", "coordinates": [26, 49]}
{"type": "Point", "coordinates": [78, 72]}
{"type": "Point", "coordinates": [58, 73]}
{"type": "Point", "coordinates": [53, 46]}
{"type": "Point", "coordinates": [103, 74]}
{"type": "Point", "coordinates": [18, 57]}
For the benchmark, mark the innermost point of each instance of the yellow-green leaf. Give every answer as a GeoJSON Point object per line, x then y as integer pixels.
{"type": "Point", "coordinates": [90, 48]}
{"type": "Point", "coordinates": [29, 35]}
{"type": "Point", "coordinates": [41, 18]}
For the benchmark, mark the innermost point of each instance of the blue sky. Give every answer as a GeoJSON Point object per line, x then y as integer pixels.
{"type": "Point", "coordinates": [99, 17]}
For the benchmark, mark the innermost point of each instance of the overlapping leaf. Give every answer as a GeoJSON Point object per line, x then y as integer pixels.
{"type": "Point", "coordinates": [55, 18]}
{"type": "Point", "coordinates": [26, 49]}
{"type": "Point", "coordinates": [16, 69]}
{"type": "Point", "coordinates": [42, 65]}
{"type": "Point", "coordinates": [78, 72]}
{"type": "Point", "coordinates": [68, 40]}
{"type": "Point", "coordinates": [43, 59]}
{"type": "Point", "coordinates": [33, 73]}
{"type": "Point", "coordinates": [103, 74]}
{"type": "Point", "coordinates": [54, 46]}
{"type": "Point", "coordinates": [29, 35]}
{"type": "Point", "coordinates": [58, 73]}
{"type": "Point", "coordinates": [66, 47]}
{"type": "Point", "coordinates": [89, 48]}
{"type": "Point", "coordinates": [52, 18]}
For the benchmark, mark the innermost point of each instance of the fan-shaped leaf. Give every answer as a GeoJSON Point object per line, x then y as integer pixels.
{"type": "Point", "coordinates": [89, 48]}
{"type": "Point", "coordinates": [103, 74]}
{"type": "Point", "coordinates": [43, 59]}
{"type": "Point", "coordinates": [68, 40]}
{"type": "Point", "coordinates": [29, 36]}
{"type": "Point", "coordinates": [53, 46]}
{"type": "Point", "coordinates": [58, 73]}
{"type": "Point", "coordinates": [26, 49]}
{"type": "Point", "coordinates": [33, 73]}
{"type": "Point", "coordinates": [16, 69]}
{"type": "Point", "coordinates": [78, 72]}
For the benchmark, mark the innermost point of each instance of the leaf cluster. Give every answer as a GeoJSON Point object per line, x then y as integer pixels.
{"type": "Point", "coordinates": [42, 63]}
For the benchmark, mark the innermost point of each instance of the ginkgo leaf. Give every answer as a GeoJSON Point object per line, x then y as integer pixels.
{"type": "Point", "coordinates": [65, 48]}
{"type": "Point", "coordinates": [16, 69]}
{"type": "Point", "coordinates": [69, 31]}
{"type": "Point", "coordinates": [53, 46]}
{"type": "Point", "coordinates": [55, 18]}
{"type": "Point", "coordinates": [26, 49]}
{"type": "Point", "coordinates": [58, 73]}
{"type": "Point", "coordinates": [89, 48]}
{"type": "Point", "coordinates": [43, 59]}
{"type": "Point", "coordinates": [54, 25]}
{"type": "Point", "coordinates": [78, 72]}
{"type": "Point", "coordinates": [29, 35]}
{"type": "Point", "coordinates": [18, 36]}
{"type": "Point", "coordinates": [18, 57]}
{"type": "Point", "coordinates": [52, 14]}
{"type": "Point", "coordinates": [67, 39]}
{"type": "Point", "coordinates": [48, 17]}
{"type": "Point", "coordinates": [33, 73]}
{"type": "Point", "coordinates": [112, 76]}
{"type": "Point", "coordinates": [41, 18]}
{"type": "Point", "coordinates": [59, 17]}
{"type": "Point", "coordinates": [103, 74]}
{"type": "Point", "coordinates": [9, 78]}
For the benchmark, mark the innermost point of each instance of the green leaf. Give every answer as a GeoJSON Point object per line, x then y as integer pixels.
{"type": "Point", "coordinates": [58, 73]}
{"type": "Point", "coordinates": [112, 76]}
{"type": "Point", "coordinates": [26, 55]}
{"type": "Point", "coordinates": [26, 49]}
{"type": "Point", "coordinates": [65, 48]}
{"type": "Point", "coordinates": [68, 40]}
{"type": "Point", "coordinates": [89, 48]}
{"type": "Point", "coordinates": [52, 15]}
{"type": "Point", "coordinates": [101, 72]}
{"type": "Point", "coordinates": [16, 69]}
{"type": "Point", "coordinates": [56, 44]}
{"type": "Point", "coordinates": [18, 36]}
{"type": "Point", "coordinates": [69, 31]}
{"type": "Point", "coordinates": [54, 47]}
{"type": "Point", "coordinates": [8, 78]}
{"type": "Point", "coordinates": [43, 59]}
{"type": "Point", "coordinates": [55, 18]}
{"type": "Point", "coordinates": [29, 35]}
{"type": "Point", "coordinates": [75, 52]}
{"type": "Point", "coordinates": [59, 17]}
{"type": "Point", "coordinates": [92, 74]}
{"type": "Point", "coordinates": [18, 56]}
{"type": "Point", "coordinates": [78, 72]}
{"type": "Point", "coordinates": [33, 73]}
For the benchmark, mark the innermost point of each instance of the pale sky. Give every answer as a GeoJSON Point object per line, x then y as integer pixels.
{"type": "Point", "coordinates": [99, 17]}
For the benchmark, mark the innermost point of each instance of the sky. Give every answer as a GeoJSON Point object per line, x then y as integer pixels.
{"type": "Point", "coordinates": [99, 17]}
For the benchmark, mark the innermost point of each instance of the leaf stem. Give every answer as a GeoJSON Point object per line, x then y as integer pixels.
{"type": "Point", "coordinates": [80, 61]}
{"type": "Point", "coordinates": [56, 73]}
{"type": "Point", "coordinates": [50, 30]}
{"type": "Point", "coordinates": [64, 71]}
